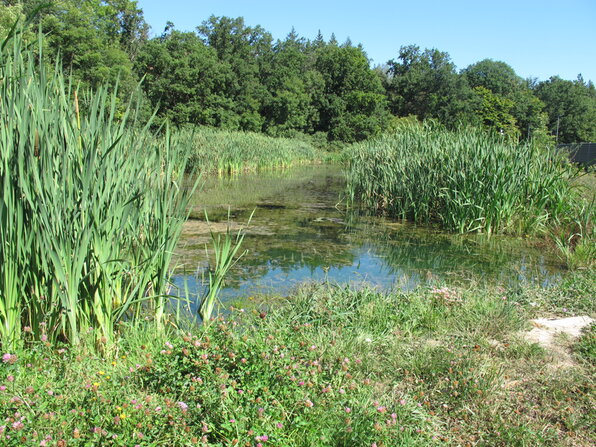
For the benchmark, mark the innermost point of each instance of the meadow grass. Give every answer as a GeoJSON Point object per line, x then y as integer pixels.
{"type": "Point", "coordinates": [91, 206]}
{"type": "Point", "coordinates": [328, 366]}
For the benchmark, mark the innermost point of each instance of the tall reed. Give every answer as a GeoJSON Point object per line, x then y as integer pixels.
{"type": "Point", "coordinates": [90, 209]}
{"type": "Point", "coordinates": [224, 152]}
{"type": "Point", "coordinates": [465, 181]}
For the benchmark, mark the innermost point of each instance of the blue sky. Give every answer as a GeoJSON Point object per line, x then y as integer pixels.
{"type": "Point", "coordinates": [537, 38]}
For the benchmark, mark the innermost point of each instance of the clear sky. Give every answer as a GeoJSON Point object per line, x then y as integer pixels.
{"type": "Point", "coordinates": [538, 38]}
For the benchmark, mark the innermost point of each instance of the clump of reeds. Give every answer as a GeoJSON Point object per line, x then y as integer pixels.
{"type": "Point", "coordinates": [90, 209]}
{"type": "Point", "coordinates": [465, 180]}
{"type": "Point", "coordinates": [224, 152]}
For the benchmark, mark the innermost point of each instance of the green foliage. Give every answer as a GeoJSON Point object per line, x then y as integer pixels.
{"type": "Point", "coordinates": [9, 15]}
{"type": "Point", "coordinates": [91, 208]}
{"type": "Point", "coordinates": [182, 79]}
{"type": "Point", "coordinates": [327, 366]}
{"type": "Point", "coordinates": [571, 108]}
{"type": "Point", "coordinates": [220, 151]}
{"type": "Point", "coordinates": [352, 107]}
{"type": "Point", "coordinates": [496, 76]}
{"type": "Point", "coordinates": [465, 180]}
{"type": "Point", "coordinates": [94, 39]}
{"type": "Point", "coordinates": [426, 84]}
{"type": "Point", "coordinates": [495, 113]}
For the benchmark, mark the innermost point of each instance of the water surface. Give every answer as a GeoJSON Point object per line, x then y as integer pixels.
{"type": "Point", "coordinates": [300, 231]}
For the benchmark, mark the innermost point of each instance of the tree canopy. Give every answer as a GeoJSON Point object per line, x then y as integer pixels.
{"type": "Point", "coordinates": [232, 75]}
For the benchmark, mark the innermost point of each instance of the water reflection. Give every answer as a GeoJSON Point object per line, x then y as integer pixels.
{"type": "Point", "coordinates": [300, 232]}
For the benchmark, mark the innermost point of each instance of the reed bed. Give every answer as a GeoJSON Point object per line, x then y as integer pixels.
{"type": "Point", "coordinates": [464, 181]}
{"type": "Point", "coordinates": [224, 152]}
{"type": "Point", "coordinates": [90, 209]}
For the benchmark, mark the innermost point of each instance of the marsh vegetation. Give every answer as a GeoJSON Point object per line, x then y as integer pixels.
{"type": "Point", "coordinates": [95, 196]}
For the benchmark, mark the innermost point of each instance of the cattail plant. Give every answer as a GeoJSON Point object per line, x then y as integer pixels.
{"type": "Point", "coordinates": [464, 181]}
{"type": "Point", "coordinates": [91, 205]}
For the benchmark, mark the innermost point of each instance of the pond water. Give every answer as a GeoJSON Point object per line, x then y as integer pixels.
{"type": "Point", "coordinates": [300, 231]}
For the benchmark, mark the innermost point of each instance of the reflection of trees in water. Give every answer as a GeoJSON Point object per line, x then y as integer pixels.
{"type": "Point", "coordinates": [428, 252]}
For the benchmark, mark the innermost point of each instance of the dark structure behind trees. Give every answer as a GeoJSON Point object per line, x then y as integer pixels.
{"type": "Point", "coordinates": [582, 153]}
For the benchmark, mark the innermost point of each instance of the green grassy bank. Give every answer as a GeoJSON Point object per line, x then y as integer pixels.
{"type": "Point", "coordinates": [325, 367]}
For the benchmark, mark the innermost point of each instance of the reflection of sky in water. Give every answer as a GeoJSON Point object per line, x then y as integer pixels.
{"type": "Point", "coordinates": [368, 268]}
{"type": "Point", "coordinates": [298, 235]}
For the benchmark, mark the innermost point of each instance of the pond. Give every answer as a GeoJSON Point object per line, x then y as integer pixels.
{"type": "Point", "coordinates": [301, 231]}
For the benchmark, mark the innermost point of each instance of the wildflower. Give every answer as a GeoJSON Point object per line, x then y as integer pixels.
{"type": "Point", "coordinates": [183, 406]}
{"type": "Point", "coordinates": [309, 403]}
{"type": "Point", "coordinates": [348, 410]}
{"type": "Point", "coordinates": [6, 358]}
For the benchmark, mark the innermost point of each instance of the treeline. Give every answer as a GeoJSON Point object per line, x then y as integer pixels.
{"type": "Point", "coordinates": [230, 75]}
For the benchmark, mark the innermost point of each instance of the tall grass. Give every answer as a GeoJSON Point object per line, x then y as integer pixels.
{"type": "Point", "coordinates": [464, 181]}
{"type": "Point", "coordinates": [90, 209]}
{"type": "Point", "coordinates": [223, 152]}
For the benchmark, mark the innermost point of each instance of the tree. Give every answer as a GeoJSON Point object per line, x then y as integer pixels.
{"type": "Point", "coordinates": [495, 112]}
{"type": "Point", "coordinates": [496, 76]}
{"type": "Point", "coordinates": [94, 39]}
{"type": "Point", "coordinates": [185, 80]}
{"type": "Point", "coordinates": [352, 106]}
{"type": "Point", "coordinates": [426, 84]}
{"type": "Point", "coordinates": [289, 104]}
{"type": "Point", "coordinates": [571, 108]}
{"type": "Point", "coordinates": [244, 50]}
